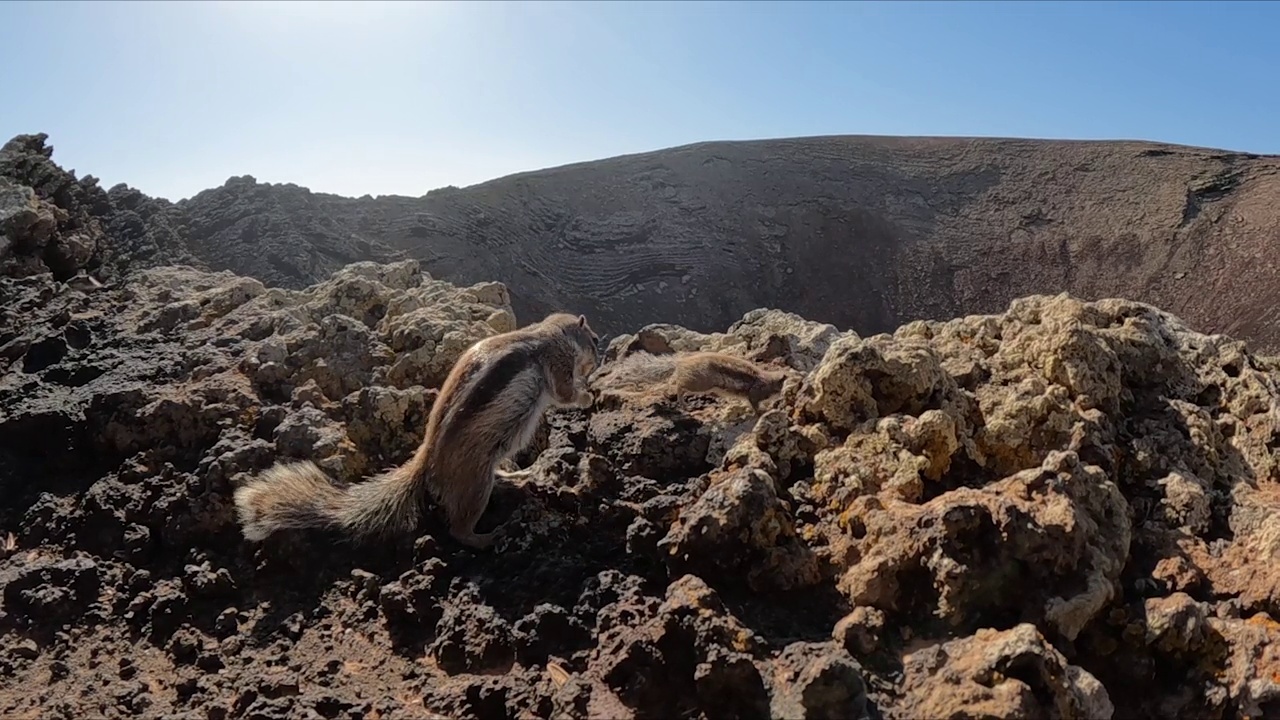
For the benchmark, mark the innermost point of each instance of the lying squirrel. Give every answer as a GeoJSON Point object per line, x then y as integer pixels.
{"type": "Point", "coordinates": [692, 372]}
{"type": "Point", "coordinates": [487, 411]}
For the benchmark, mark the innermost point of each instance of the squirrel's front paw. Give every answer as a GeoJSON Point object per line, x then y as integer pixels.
{"type": "Point", "coordinates": [584, 399]}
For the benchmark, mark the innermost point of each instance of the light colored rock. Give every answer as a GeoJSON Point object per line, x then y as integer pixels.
{"type": "Point", "coordinates": [1000, 674]}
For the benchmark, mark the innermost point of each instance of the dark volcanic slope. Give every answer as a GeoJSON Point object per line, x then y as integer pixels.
{"type": "Point", "coordinates": [861, 232]}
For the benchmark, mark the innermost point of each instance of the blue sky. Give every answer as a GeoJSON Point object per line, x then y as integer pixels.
{"type": "Point", "coordinates": [400, 98]}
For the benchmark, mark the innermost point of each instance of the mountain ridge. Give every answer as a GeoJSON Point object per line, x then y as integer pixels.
{"type": "Point", "coordinates": [707, 144]}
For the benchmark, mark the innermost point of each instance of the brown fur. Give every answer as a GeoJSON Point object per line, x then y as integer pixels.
{"type": "Point", "coordinates": [487, 410]}
{"type": "Point", "coordinates": [692, 372]}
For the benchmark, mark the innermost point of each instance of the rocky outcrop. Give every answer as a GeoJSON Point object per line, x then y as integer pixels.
{"type": "Point", "coordinates": [52, 222]}
{"type": "Point", "coordinates": [1066, 510]}
{"type": "Point", "coordinates": [290, 236]}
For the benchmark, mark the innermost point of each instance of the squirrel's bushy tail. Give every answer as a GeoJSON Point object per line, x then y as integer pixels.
{"type": "Point", "coordinates": [299, 494]}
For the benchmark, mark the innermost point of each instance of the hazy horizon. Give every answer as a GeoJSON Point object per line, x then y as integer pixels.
{"type": "Point", "coordinates": [400, 98]}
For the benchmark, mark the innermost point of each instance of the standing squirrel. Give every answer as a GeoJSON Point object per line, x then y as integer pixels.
{"type": "Point", "coordinates": [693, 372]}
{"type": "Point", "coordinates": [486, 411]}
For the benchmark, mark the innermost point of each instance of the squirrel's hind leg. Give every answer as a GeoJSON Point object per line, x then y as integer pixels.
{"type": "Point", "coordinates": [466, 508]}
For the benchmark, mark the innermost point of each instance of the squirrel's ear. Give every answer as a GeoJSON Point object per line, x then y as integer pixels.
{"type": "Point", "coordinates": [582, 321]}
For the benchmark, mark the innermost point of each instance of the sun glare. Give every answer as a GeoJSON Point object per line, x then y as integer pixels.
{"type": "Point", "coordinates": [322, 14]}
